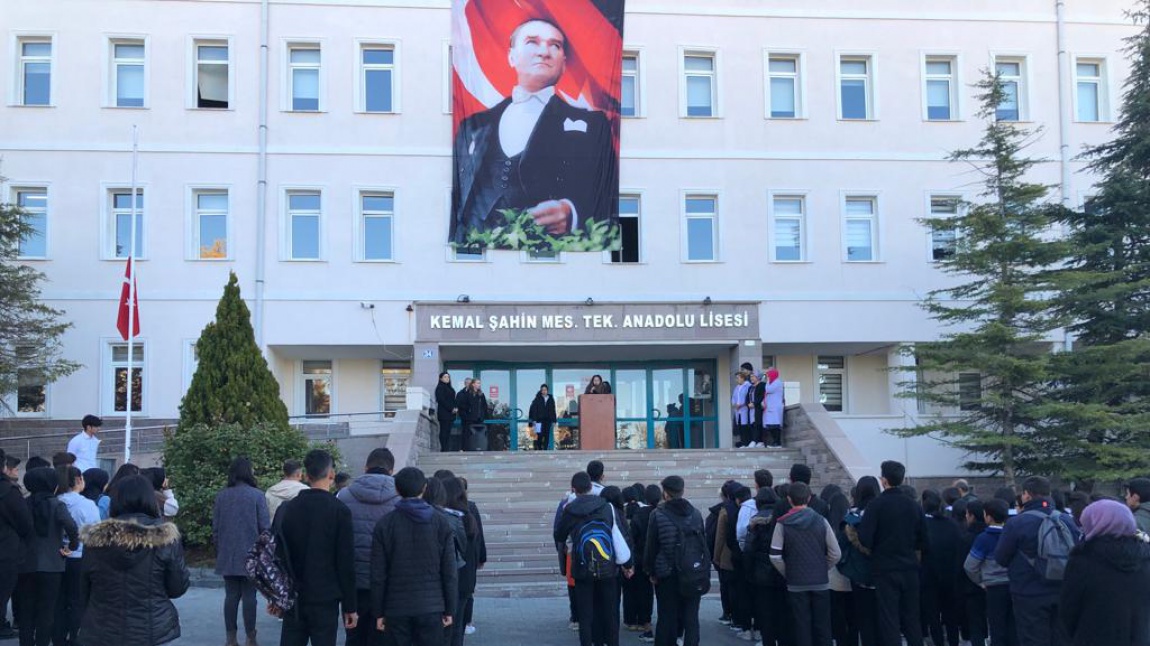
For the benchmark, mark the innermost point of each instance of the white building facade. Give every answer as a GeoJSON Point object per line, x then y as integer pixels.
{"type": "Point", "coordinates": [775, 159]}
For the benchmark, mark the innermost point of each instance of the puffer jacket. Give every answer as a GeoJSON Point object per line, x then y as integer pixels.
{"type": "Point", "coordinates": [133, 567]}
{"type": "Point", "coordinates": [370, 497]}
{"type": "Point", "coordinates": [663, 536]}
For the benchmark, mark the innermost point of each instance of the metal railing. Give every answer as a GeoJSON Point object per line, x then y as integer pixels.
{"type": "Point", "coordinates": [145, 439]}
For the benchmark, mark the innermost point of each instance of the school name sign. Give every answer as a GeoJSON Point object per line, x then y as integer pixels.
{"type": "Point", "coordinates": [581, 322]}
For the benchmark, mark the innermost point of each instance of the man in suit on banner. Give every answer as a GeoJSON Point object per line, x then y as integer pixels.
{"type": "Point", "coordinates": [534, 150]}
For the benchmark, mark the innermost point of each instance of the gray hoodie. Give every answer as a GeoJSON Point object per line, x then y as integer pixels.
{"type": "Point", "coordinates": [370, 497]}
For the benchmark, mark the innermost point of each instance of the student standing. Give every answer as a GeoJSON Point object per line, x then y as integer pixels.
{"type": "Point", "coordinates": [642, 589]}
{"type": "Point", "coordinates": [239, 516]}
{"type": "Point", "coordinates": [84, 445]}
{"type": "Point", "coordinates": [15, 527]}
{"type": "Point", "coordinates": [541, 417]}
{"type": "Point", "coordinates": [803, 550]}
{"type": "Point", "coordinates": [287, 488]}
{"type": "Point", "coordinates": [43, 565]}
{"type": "Point", "coordinates": [939, 600]}
{"type": "Point", "coordinates": [445, 410]}
{"type": "Point", "coordinates": [674, 534]}
{"type": "Point", "coordinates": [69, 604]}
{"type": "Point", "coordinates": [984, 571]}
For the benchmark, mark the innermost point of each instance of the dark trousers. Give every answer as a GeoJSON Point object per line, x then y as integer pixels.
{"type": "Point", "coordinates": [445, 424]}
{"type": "Point", "coordinates": [940, 614]}
{"type": "Point", "coordinates": [774, 434]}
{"type": "Point", "coordinates": [742, 606]}
{"type": "Point", "coordinates": [627, 586]}
{"type": "Point", "coordinates": [317, 622]}
{"type": "Point", "coordinates": [1000, 616]}
{"type": "Point", "coordinates": [771, 615]}
{"type": "Point", "coordinates": [8, 577]}
{"type": "Point", "coordinates": [455, 632]}
{"type": "Point", "coordinates": [468, 609]}
{"type": "Point", "coordinates": [725, 593]}
{"type": "Point", "coordinates": [811, 616]}
{"type": "Point", "coordinates": [1037, 622]}
{"type": "Point", "coordinates": [597, 609]}
{"type": "Point", "coordinates": [364, 633]}
{"type": "Point", "coordinates": [976, 616]}
{"type": "Point", "coordinates": [37, 592]}
{"type": "Point", "coordinates": [571, 604]}
{"type": "Point", "coordinates": [543, 440]}
{"type": "Point", "coordinates": [844, 626]}
{"type": "Point", "coordinates": [239, 589]}
{"type": "Point", "coordinates": [644, 598]}
{"type": "Point", "coordinates": [677, 615]}
{"type": "Point", "coordinates": [69, 605]}
{"type": "Point", "coordinates": [897, 595]}
{"type": "Point", "coordinates": [866, 615]}
{"type": "Point", "coordinates": [420, 630]}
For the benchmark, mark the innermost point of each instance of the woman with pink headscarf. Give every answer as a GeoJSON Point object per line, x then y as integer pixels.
{"type": "Point", "coordinates": [773, 408]}
{"type": "Point", "coordinates": [1106, 590]}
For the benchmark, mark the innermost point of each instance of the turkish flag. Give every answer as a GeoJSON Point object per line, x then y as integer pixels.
{"type": "Point", "coordinates": [128, 291]}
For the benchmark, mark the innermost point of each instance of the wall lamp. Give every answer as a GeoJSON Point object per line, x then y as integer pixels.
{"type": "Point", "coordinates": [463, 298]}
{"type": "Point", "coordinates": [589, 302]}
{"type": "Point", "coordinates": [707, 301]}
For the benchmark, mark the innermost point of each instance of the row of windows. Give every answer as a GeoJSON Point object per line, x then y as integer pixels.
{"type": "Point", "coordinates": [212, 86]}
{"type": "Point", "coordinates": [211, 217]}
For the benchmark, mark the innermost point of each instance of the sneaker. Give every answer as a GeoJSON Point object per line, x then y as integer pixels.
{"type": "Point", "coordinates": [574, 625]}
{"type": "Point", "coordinates": [725, 620]}
{"type": "Point", "coordinates": [679, 641]}
{"type": "Point", "coordinates": [747, 635]}
{"type": "Point", "coordinates": [469, 630]}
{"type": "Point", "coordinates": [647, 637]}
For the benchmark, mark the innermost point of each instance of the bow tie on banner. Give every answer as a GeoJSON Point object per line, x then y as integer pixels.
{"type": "Point", "coordinates": [519, 95]}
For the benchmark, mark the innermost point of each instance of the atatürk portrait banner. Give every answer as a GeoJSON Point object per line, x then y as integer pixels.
{"type": "Point", "coordinates": [535, 97]}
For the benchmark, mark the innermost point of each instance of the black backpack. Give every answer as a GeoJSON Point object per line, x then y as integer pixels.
{"type": "Point", "coordinates": [593, 552]}
{"type": "Point", "coordinates": [692, 562]}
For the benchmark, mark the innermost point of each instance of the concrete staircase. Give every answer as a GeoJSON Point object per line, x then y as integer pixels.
{"type": "Point", "coordinates": [517, 494]}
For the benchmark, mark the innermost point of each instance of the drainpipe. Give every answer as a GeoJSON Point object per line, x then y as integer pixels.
{"type": "Point", "coordinates": [1064, 108]}
{"type": "Point", "coordinates": [262, 178]}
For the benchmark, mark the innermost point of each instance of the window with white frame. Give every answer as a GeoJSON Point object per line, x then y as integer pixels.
{"type": "Point", "coordinates": [118, 374]}
{"type": "Point", "coordinates": [303, 73]}
{"type": "Point", "coordinates": [969, 391]}
{"type": "Point", "coordinates": [855, 87]}
{"type": "Point", "coordinates": [861, 224]}
{"type": "Point", "coordinates": [629, 249]}
{"type": "Point", "coordinates": [702, 241]}
{"type": "Point", "coordinates": [191, 361]}
{"type": "Point", "coordinates": [303, 225]}
{"type": "Point", "coordinates": [940, 78]}
{"type": "Point", "coordinates": [211, 223]}
{"type": "Point", "coordinates": [788, 219]}
{"type": "Point", "coordinates": [377, 225]}
{"type": "Point", "coordinates": [468, 254]}
{"type": "Point", "coordinates": [377, 78]}
{"type": "Point", "coordinates": [629, 94]}
{"type": "Point", "coordinates": [35, 71]}
{"type": "Point", "coordinates": [121, 223]}
{"type": "Point", "coordinates": [34, 203]}
{"type": "Point", "coordinates": [1090, 89]}
{"type": "Point", "coordinates": [128, 78]}
{"type": "Point", "coordinates": [699, 76]}
{"type": "Point", "coordinates": [394, 380]}
{"type": "Point", "coordinates": [832, 372]}
{"type": "Point", "coordinates": [213, 86]}
{"type": "Point", "coordinates": [784, 86]}
{"type": "Point", "coordinates": [543, 255]}
{"type": "Point", "coordinates": [316, 382]}
{"type": "Point", "coordinates": [943, 240]}
{"type": "Point", "coordinates": [31, 397]}
{"type": "Point", "coordinates": [1012, 73]}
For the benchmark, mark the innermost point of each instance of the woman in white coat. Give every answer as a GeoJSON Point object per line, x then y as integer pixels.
{"type": "Point", "coordinates": [773, 403]}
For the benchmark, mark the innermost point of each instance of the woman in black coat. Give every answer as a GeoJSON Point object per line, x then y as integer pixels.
{"type": "Point", "coordinates": [133, 567]}
{"type": "Point", "coordinates": [542, 413]}
{"type": "Point", "coordinates": [1106, 589]}
{"type": "Point", "coordinates": [598, 386]}
{"type": "Point", "coordinates": [42, 569]}
{"type": "Point", "coordinates": [445, 409]}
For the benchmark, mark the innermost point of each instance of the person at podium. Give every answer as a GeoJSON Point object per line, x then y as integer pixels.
{"type": "Point", "coordinates": [598, 386]}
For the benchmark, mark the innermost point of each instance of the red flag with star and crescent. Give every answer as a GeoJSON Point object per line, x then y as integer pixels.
{"type": "Point", "coordinates": [128, 291]}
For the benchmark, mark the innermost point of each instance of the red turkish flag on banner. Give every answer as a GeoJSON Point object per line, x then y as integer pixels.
{"type": "Point", "coordinates": [128, 290]}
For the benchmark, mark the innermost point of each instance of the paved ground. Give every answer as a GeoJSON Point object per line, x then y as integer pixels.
{"type": "Point", "coordinates": [500, 622]}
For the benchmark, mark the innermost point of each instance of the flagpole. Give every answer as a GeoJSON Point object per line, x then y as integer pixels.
{"type": "Point", "coordinates": [131, 305]}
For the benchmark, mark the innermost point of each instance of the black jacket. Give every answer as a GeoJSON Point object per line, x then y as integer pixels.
{"type": "Point", "coordinates": [1105, 599]}
{"type": "Point", "coordinates": [472, 407]}
{"type": "Point", "coordinates": [51, 522]}
{"type": "Point", "coordinates": [15, 523]}
{"type": "Point", "coordinates": [413, 567]}
{"type": "Point", "coordinates": [893, 529]}
{"type": "Point", "coordinates": [480, 540]}
{"type": "Point", "coordinates": [663, 536]}
{"type": "Point", "coordinates": [542, 410]}
{"type": "Point", "coordinates": [318, 537]}
{"type": "Point", "coordinates": [942, 565]}
{"type": "Point", "coordinates": [444, 401]}
{"type": "Point", "coordinates": [639, 526]}
{"type": "Point", "coordinates": [133, 567]}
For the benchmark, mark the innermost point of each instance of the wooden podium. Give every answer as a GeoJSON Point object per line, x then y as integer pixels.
{"type": "Point", "coordinates": [597, 422]}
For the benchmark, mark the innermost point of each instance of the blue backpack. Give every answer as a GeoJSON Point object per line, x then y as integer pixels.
{"type": "Point", "coordinates": [594, 557]}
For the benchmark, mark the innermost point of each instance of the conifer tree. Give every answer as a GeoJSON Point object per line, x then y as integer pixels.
{"type": "Point", "coordinates": [232, 383]}
{"type": "Point", "coordinates": [996, 315]}
{"type": "Point", "coordinates": [1103, 394]}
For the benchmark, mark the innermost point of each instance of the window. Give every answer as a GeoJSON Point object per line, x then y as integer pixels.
{"type": "Point", "coordinates": [317, 387]}
{"type": "Point", "coordinates": [1089, 88]}
{"type": "Point", "coordinates": [699, 73]}
{"type": "Point", "coordinates": [211, 224]}
{"type": "Point", "coordinates": [941, 88]}
{"type": "Point", "coordinates": [548, 255]}
{"type": "Point", "coordinates": [34, 202]}
{"type": "Point", "coordinates": [122, 223]}
{"type": "Point", "coordinates": [789, 212]}
{"type": "Point", "coordinates": [377, 76]}
{"type": "Point", "coordinates": [119, 376]}
{"type": "Point", "coordinates": [212, 84]}
{"type": "Point", "coordinates": [191, 361]}
{"type": "Point", "coordinates": [303, 225]}
{"type": "Point", "coordinates": [701, 238]}
{"type": "Point", "coordinates": [783, 87]}
{"type": "Point", "coordinates": [468, 254]}
{"type": "Point", "coordinates": [629, 229]}
{"type": "Point", "coordinates": [128, 82]}
{"type": "Point", "coordinates": [35, 73]}
{"type": "Point", "coordinates": [395, 377]}
{"type": "Point", "coordinates": [832, 382]}
{"type": "Point", "coordinates": [377, 216]}
{"type": "Point", "coordinates": [1011, 72]}
{"type": "Point", "coordinates": [303, 66]}
{"type": "Point", "coordinates": [31, 388]}
{"type": "Point", "coordinates": [629, 96]}
{"type": "Point", "coordinates": [855, 87]}
{"type": "Point", "coordinates": [943, 241]}
{"type": "Point", "coordinates": [861, 215]}
{"type": "Point", "coordinates": [969, 391]}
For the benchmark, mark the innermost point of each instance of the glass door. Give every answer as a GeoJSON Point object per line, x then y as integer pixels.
{"type": "Point", "coordinates": [667, 408]}
{"type": "Point", "coordinates": [527, 382]}
{"type": "Point", "coordinates": [496, 387]}
{"type": "Point", "coordinates": [632, 429]}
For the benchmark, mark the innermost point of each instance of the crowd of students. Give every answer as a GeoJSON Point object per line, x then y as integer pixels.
{"type": "Point", "coordinates": [882, 566]}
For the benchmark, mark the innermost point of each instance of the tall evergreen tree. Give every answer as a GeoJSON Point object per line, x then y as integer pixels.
{"type": "Point", "coordinates": [232, 383]}
{"type": "Point", "coordinates": [1103, 394]}
{"type": "Point", "coordinates": [998, 309]}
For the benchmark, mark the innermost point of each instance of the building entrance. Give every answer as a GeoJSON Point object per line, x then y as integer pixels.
{"type": "Point", "coordinates": [657, 404]}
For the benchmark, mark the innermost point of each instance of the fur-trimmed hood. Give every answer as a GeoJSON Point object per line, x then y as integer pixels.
{"type": "Point", "coordinates": [131, 532]}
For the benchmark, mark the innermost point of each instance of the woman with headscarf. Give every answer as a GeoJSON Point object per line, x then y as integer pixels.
{"type": "Point", "coordinates": [44, 551]}
{"type": "Point", "coordinates": [773, 404]}
{"type": "Point", "coordinates": [445, 409]}
{"type": "Point", "coordinates": [1106, 589]}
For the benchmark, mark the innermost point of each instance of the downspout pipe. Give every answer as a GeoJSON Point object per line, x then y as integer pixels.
{"type": "Point", "coordinates": [262, 178]}
{"type": "Point", "coordinates": [1064, 108]}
